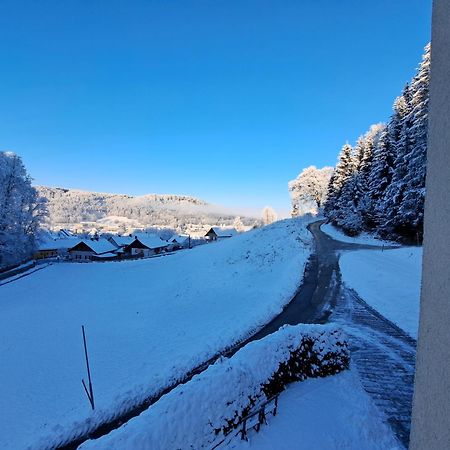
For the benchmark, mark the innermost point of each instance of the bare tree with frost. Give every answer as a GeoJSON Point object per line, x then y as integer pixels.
{"type": "Point", "coordinates": [21, 210]}
{"type": "Point", "coordinates": [309, 190]}
{"type": "Point", "coordinates": [269, 215]}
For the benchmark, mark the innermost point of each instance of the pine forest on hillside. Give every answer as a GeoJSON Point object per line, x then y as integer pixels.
{"type": "Point", "coordinates": [379, 184]}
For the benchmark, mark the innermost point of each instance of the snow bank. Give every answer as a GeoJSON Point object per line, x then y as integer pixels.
{"type": "Point", "coordinates": [323, 414]}
{"type": "Point", "coordinates": [148, 323]}
{"type": "Point", "coordinates": [389, 281]}
{"type": "Point", "coordinates": [193, 414]}
{"type": "Point", "coordinates": [363, 238]}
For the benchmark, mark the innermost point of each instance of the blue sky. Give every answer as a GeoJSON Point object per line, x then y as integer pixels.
{"type": "Point", "coordinates": [224, 100]}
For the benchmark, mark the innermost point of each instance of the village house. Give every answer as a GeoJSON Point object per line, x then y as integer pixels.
{"type": "Point", "coordinates": [217, 233]}
{"type": "Point", "coordinates": [88, 250]}
{"type": "Point", "coordinates": [146, 246]}
{"type": "Point", "coordinates": [121, 241]}
{"type": "Point", "coordinates": [53, 248]}
{"type": "Point", "coordinates": [178, 242]}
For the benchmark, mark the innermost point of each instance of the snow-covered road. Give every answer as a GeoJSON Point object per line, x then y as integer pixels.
{"type": "Point", "coordinates": [383, 364]}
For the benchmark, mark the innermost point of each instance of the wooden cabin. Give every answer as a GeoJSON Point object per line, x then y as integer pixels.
{"type": "Point", "coordinates": [217, 233]}
{"type": "Point", "coordinates": [88, 250]}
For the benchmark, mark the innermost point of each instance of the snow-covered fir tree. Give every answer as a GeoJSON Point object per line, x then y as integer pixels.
{"type": "Point", "coordinates": [410, 217]}
{"type": "Point", "coordinates": [379, 186]}
{"type": "Point", "coordinates": [21, 210]}
{"type": "Point", "coordinates": [341, 175]}
{"type": "Point", "coordinates": [353, 205]}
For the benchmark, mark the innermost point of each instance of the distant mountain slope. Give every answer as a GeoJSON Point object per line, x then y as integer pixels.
{"type": "Point", "coordinates": [71, 207]}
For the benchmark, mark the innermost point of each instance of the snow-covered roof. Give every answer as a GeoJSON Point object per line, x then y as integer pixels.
{"type": "Point", "coordinates": [99, 247]}
{"type": "Point", "coordinates": [65, 233]}
{"type": "Point", "coordinates": [179, 239]}
{"type": "Point", "coordinates": [58, 244]}
{"type": "Point", "coordinates": [145, 235]}
{"type": "Point", "coordinates": [121, 240]}
{"type": "Point", "coordinates": [153, 242]}
{"type": "Point", "coordinates": [224, 232]}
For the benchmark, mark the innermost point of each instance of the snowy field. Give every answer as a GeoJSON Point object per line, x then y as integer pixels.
{"type": "Point", "coordinates": [389, 281]}
{"type": "Point", "coordinates": [148, 322]}
{"type": "Point", "coordinates": [323, 414]}
{"type": "Point", "coordinates": [363, 238]}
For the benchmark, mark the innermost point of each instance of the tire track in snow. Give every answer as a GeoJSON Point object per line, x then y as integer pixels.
{"type": "Point", "coordinates": [384, 356]}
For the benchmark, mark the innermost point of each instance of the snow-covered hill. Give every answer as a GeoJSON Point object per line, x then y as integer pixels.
{"type": "Point", "coordinates": [148, 323]}
{"type": "Point", "coordinates": [72, 208]}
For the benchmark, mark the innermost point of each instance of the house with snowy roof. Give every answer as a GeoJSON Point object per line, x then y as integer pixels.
{"type": "Point", "coordinates": [217, 233]}
{"type": "Point", "coordinates": [178, 241]}
{"type": "Point", "coordinates": [52, 248]}
{"type": "Point", "coordinates": [89, 250]}
{"type": "Point", "coordinates": [121, 241]}
{"type": "Point", "coordinates": [146, 246]}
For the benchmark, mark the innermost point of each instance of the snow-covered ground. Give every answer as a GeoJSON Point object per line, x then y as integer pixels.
{"type": "Point", "coordinates": [188, 416]}
{"type": "Point", "coordinates": [389, 281]}
{"type": "Point", "coordinates": [147, 322]}
{"type": "Point", "coordinates": [323, 414]}
{"type": "Point", "coordinates": [363, 238]}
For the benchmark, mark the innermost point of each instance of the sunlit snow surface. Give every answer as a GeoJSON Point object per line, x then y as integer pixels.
{"type": "Point", "coordinates": [148, 323]}
{"type": "Point", "coordinates": [323, 414]}
{"type": "Point", "coordinates": [363, 238]}
{"type": "Point", "coordinates": [389, 281]}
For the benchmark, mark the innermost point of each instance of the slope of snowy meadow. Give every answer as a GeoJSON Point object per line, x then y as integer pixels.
{"type": "Point", "coordinates": [148, 323]}
{"type": "Point", "coordinates": [363, 238]}
{"type": "Point", "coordinates": [389, 281]}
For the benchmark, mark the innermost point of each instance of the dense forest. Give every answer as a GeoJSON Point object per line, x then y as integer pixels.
{"type": "Point", "coordinates": [379, 183]}
{"type": "Point", "coordinates": [70, 206]}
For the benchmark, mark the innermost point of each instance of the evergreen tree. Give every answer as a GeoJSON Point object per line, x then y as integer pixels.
{"type": "Point", "coordinates": [379, 179]}
{"type": "Point", "coordinates": [412, 207]}
{"type": "Point", "coordinates": [380, 185]}
{"type": "Point", "coordinates": [362, 193]}
{"type": "Point", "coordinates": [343, 172]}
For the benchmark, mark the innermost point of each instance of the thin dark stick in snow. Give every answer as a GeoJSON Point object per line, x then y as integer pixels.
{"type": "Point", "coordinates": [90, 393]}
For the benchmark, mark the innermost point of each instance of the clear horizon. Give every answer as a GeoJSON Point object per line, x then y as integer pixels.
{"type": "Point", "coordinates": [224, 101]}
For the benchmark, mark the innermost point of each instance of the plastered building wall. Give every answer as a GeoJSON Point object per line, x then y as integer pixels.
{"type": "Point", "coordinates": [431, 406]}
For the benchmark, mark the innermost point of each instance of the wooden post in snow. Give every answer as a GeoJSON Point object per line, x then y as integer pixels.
{"type": "Point", "coordinates": [90, 392]}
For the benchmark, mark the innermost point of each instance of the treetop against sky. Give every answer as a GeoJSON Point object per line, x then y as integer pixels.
{"type": "Point", "coordinates": [223, 100]}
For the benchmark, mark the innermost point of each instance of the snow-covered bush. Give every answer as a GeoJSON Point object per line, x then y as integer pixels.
{"type": "Point", "coordinates": [195, 414]}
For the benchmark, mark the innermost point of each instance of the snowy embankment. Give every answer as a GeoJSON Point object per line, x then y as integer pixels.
{"type": "Point", "coordinates": [363, 238]}
{"type": "Point", "coordinates": [389, 281]}
{"type": "Point", "coordinates": [148, 323]}
{"type": "Point", "coordinates": [200, 413]}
